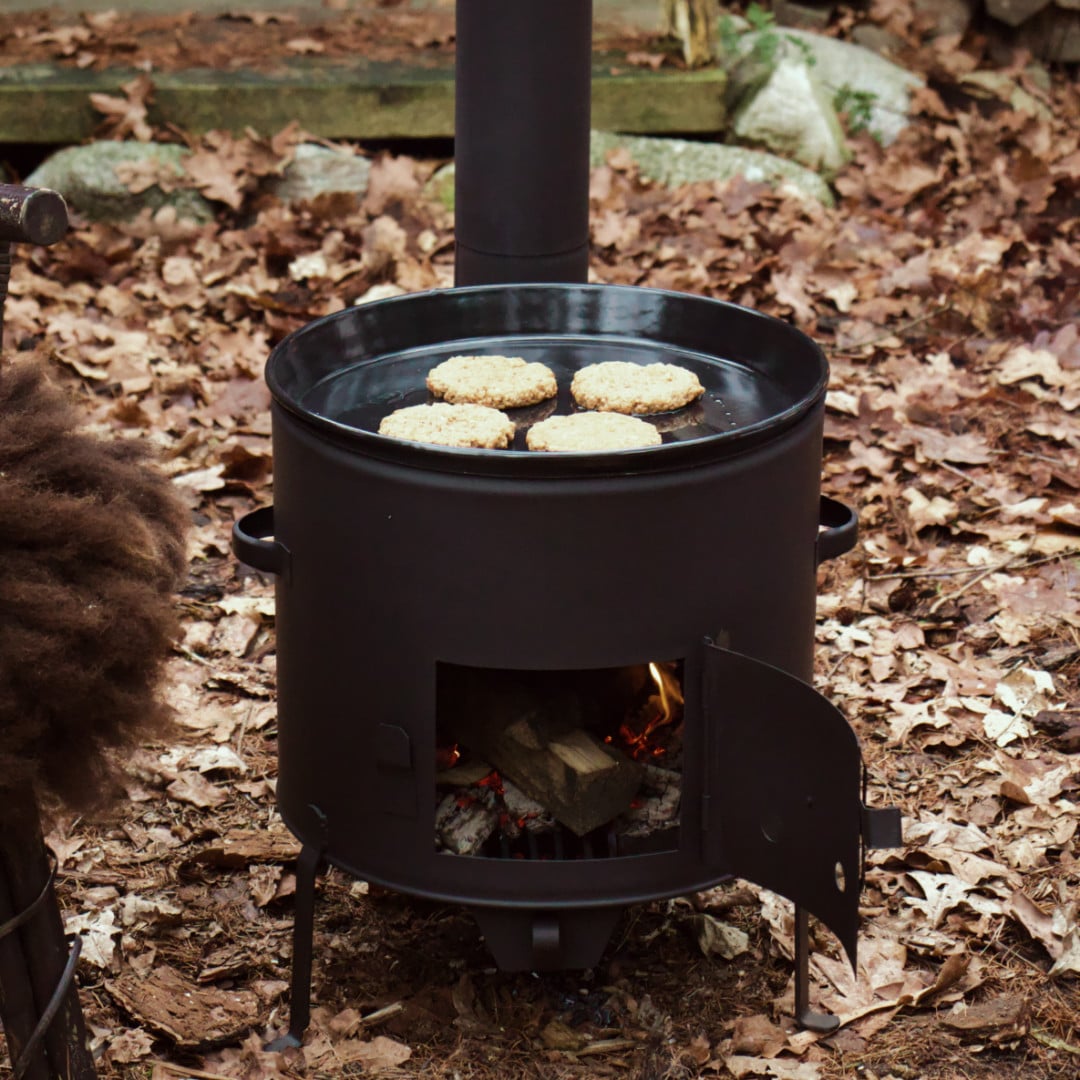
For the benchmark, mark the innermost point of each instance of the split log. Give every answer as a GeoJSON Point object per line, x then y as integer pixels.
{"type": "Point", "coordinates": [463, 775]}
{"type": "Point", "coordinates": [534, 736]}
{"type": "Point", "coordinates": [693, 23]}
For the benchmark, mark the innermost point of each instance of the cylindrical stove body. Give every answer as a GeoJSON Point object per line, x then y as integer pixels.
{"type": "Point", "coordinates": [404, 556]}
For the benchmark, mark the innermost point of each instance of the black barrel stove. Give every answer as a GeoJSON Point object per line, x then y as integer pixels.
{"type": "Point", "coordinates": [548, 686]}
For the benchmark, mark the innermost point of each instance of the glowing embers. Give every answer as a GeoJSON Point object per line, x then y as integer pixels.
{"type": "Point", "coordinates": [559, 764]}
{"type": "Point", "coordinates": [662, 708]}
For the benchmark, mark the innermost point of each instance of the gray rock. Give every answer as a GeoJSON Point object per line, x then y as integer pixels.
{"type": "Point", "coordinates": [783, 106]}
{"type": "Point", "coordinates": [839, 64]}
{"type": "Point", "coordinates": [318, 170]}
{"type": "Point", "coordinates": [831, 68]}
{"type": "Point", "coordinates": [87, 178]}
{"type": "Point", "coordinates": [679, 161]}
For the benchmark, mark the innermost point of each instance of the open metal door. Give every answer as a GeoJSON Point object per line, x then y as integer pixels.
{"type": "Point", "coordinates": [784, 779]}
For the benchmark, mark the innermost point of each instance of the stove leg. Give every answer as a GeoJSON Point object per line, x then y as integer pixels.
{"type": "Point", "coordinates": [805, 1017]}
{"type": "Point", "coordinates": [307, 870]}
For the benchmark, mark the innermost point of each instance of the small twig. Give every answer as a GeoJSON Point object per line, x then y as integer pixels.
{"type": "Point", "coordinates": [968, 585]}
{"type": "Point", "coordinates": [858, 346]}
{"type": "Point", "coordinates": [606, 1046]}
{"type": "Point", "coordinates": [1053, 1041]}
{"type": "Point", "coordinates": [961, 570]}
{"type": "Point", "coordinates": [971, 478]}
{"type": "Point", "coordinates": [382, 1014]}
{"type": "Point", "coordinates": [957, 572]}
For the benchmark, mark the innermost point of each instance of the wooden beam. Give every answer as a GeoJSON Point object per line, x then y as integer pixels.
{"type": "Point", "coordinates": [45, 103]}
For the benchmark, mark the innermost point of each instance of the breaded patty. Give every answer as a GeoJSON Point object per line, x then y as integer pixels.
{"type": "Point", "coordinates": [622, 387]}
{"type": "Point", "coordinates": [502, 382]}
{"type": "Point", "coordinates": [450, 425]}
{"type": "Point", "coordinates": [591, 431]}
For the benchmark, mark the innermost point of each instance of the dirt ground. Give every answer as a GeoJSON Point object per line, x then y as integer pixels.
{"type": "Point", "coordinates": [945, 289]}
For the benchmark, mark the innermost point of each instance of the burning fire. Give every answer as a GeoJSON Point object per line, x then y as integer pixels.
{"type": "Point", "coordinates": [668, 700]}
{"type": "Point", "coordinates": [446, 757]}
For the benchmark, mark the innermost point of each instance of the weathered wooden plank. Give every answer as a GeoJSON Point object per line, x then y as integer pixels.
{"type": "Point", "coordinates": [43, 103]}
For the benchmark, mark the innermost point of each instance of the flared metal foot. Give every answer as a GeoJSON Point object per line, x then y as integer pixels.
{"type": "Point", "coordinates": [307, 871]}
{"type": "Point", "coordinates": [288, 1041]}
{"type": "Point", "coordinates": [805, 1017]}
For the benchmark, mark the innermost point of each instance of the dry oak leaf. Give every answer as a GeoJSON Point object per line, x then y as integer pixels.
{"type": "Point", "coordinates": [127, 115]}
{"type": "Point", "coordinates": [757, 1035]}
{"type": "Point", "coordinates": [97, 930]}
{"type": "Point", "coordinates": [943, 893]}
{"type": "Point", "coordinates": [926, 512]}
{"type": "Point", "coordinates": [392, 179]}
{"type": "Point", "coordinates": [131, 1045]}
{"type": "Point", "coordinates": [224, 168]}
{"type": "Point", "coordinates": [1035, 921]}
{"type": "Point", "coordinates": [190, 787]}
{"type": "Point", "coordinates": [740, 1066]}
{"type": "Point", "coordinates": [375, 1055]}
{"type": "Point", "coordinates": [140, 176]}
{"type": "Point", "coordinates": [1023, 363]}
{"type": "Point", "coordinates": [263, 880]}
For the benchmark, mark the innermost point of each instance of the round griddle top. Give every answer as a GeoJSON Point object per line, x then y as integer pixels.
{"type": "Point", "coordinates": [344, 373]}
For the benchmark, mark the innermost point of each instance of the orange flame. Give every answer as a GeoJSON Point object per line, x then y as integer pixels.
{"type": "Point", "coordinates": [670, 698]}
{"type": "Point", "coordinates": [446, 757]}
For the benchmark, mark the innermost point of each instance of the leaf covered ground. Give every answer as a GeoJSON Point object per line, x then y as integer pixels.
{"type": "Point", "coordinates": [945, 288]}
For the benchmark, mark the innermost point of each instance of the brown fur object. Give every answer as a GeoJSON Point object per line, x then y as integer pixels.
{"type": "Point", "coordinates": [91, 550]}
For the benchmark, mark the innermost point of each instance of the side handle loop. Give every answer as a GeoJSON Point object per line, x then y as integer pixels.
{"type": "Point", "coordinates": [839, 531]}
{"type": "Point", "coordinates": [251, 546]}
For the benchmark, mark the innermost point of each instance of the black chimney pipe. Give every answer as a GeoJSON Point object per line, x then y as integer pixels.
{"type": "Point", "coordinates": [523, 96]}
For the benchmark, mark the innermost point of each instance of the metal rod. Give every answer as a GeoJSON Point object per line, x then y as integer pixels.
{"type": "Point", "coordinates": [806, 1017]}
{"type": "Point", "coordinates": [17, 1010]}
{"type": "Point", "coordinates": [307, 870]}
{"type": "Point", "coordinates": [27, 869]}
{"type": "Point", "coordinates": [24, 1061]}
{"type": "Point", "coordinates": [523, 96]}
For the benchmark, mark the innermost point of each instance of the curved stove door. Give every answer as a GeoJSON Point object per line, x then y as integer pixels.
{"type": "Point", "coordinates": [783, 782]}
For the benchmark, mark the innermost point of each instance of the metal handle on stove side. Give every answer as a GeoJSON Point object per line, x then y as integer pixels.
{"type": "Point", "coordinates": [251, 547]}
{"type": "Point", "coordinates": [840, 529]}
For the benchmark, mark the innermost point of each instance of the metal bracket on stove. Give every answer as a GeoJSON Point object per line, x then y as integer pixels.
{"type": "Point", "coordinates": [882, 827]}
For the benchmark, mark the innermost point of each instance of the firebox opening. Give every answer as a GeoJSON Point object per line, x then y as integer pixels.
{"type": "Point", "coordinates": [559, 764]}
